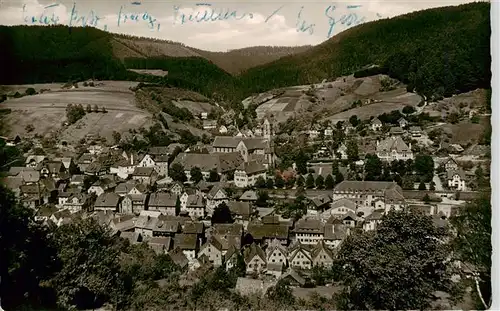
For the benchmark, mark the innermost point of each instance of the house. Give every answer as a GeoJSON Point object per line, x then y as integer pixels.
{"type": "Point", "coordinates": [241, 211]}
{"type": "Point", "coordinates": [193, 205]}
{"type": "Point", "coordinates": [349, 219]}
{"type": "Point", "coordinates": [124, 223]}
{"type": "Point", "coordinates": [209, 124]}
{"type": "Point", "coordinates": [188, 244]}
{"type": "Point", "coordinates": [308, 231]}
{"type": "Point", "coordinates": [228, 234]}
{"type": "Point", "coordinates": [216, 196]}
{"type": "Point", "coordinates": [402, 122]}
{"type": "Point", "coordinates": [320, 203]}
{"type": "Point", "coordinates": [133, 203]}
{"type": "Point", "coordinates": [450, 164]}
{"type": "Point", "coordinates": [222, 163]}
{"type": "Point", "coordinates": [339, 207]}
{"type": "Point", "coordinates": [178, 257]}
{"type": "Point", "coordinates": [249, 196]}
{"type": "Point", "coordinates": [159, 162]}
{"type": "Point", "coordinates": [393, 148]}
{"type": "Point", "coordinates": [334, 234]}
{"type": "Point", "coordinates": [101, 186]}
{"type": "Point", "coordinates": [276, 253]}
{"type": "Point", "coordinates": [33, 161]}
{"type": "Point", "coordinates": [52, 169]}
{"type": "Point", "coordinates": [321, 255]}
{"type": "Point", "coordinates": [415, 131]}
{"type": "Point", "coordinates": [163, 202]}
{"type": "Point", "coordinates": [300, 257]}
{"type": "Point", "coordinates": [373, 220]}
{"type": "Point", "coordinates": [223, 129]}
{"type": "Point", "coordinates": [231, 257]}
{"type": "Point", "coordinates": [213, 250]}
{"type": "Point", "coordinates": [245, 146]}
{"type": "Point", "coordinates": [396, 131]}
{"type": "Point", "coordinates": [341, 152]}
{"type": "Point", "coordinates": [107, 201]}
{"type": "Point", "coordinates": [122, 189]}
{"type": "Point", "coordinates": [75, 202]}
{"type": "Point", "coordinates": [176, 188]}
{"type": "Point", "coordinates": [247, 174]}
{"type": "Point", "coordinates": [145, 225]}
{"type": "Point", "coordinates": [132, 237]}
{"type": "Point", "coordinates": [204, 115]}
{"type": "Point", "coordinates": [77, 180]}
{"type": "Point", "coordinates": [262, 233]}
{"type": "Point", "coordinates": [165, 227]}
{"type": "Point", "coordinates": [96, 168]}
{"type": "Point", "coordinates": [376, 124]}
{"type": "Point", "coordinates": [293, 278]}
{"type": "Point", "coordinates": [160, 245]}
{"type": "Point", "coordinates": [456, 179]}
{"type": "Point", "coordinates": [255, 259]}
{"type": "Point", "coordinates": [275, 269]}
{"type": "Point", "coordinates": [145, 175]}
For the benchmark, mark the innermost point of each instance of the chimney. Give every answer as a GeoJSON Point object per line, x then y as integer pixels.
{"type": "Point", "coordinates": [131, 159]}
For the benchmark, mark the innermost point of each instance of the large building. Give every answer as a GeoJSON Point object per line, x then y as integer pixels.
{"type": "Point", "coordinates": [394, 148]}
{"type": "Point", "coordinates": [371, 195]}
{"type": "Point", "coordinates": [253, 148]}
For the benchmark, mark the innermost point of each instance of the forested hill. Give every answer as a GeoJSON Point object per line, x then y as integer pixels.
{"type": "Point", "coordinates": [444, 50]}
{"type": "Point", "coordinates": [437, 52]}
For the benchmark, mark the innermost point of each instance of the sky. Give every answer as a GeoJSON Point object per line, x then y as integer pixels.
{"type": "Point", "coordinates": [219, 25]}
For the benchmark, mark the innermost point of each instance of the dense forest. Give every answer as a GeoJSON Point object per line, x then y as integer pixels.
{"type": "Point", "coordinates": [437, 52]}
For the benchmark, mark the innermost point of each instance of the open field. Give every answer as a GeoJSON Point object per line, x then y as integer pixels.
{"type": "Point", "coordinates": [334, 100]}
{"type": "Point", "coordinates": [47, 111]}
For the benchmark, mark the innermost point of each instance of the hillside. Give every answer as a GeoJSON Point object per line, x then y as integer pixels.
{"type": "Point", "coordinates": [233, 61]}
{"type": "Point", "coordinates": [436, 52]}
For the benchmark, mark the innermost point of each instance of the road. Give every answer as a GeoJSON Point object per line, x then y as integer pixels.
{"type": "Point", "coordinates": [437, 181]}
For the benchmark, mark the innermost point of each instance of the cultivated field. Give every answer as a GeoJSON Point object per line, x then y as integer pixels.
{"type": "Point", "coordinates": [334, 100]}
{"type": "Point", "coordinates": [47, 111]}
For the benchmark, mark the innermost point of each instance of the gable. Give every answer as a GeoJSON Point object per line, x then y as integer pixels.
{"type": "Point", "coordinates": [220, 194]}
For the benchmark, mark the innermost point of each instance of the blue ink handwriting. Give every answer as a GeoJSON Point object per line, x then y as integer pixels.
{"type": "Point", "coordinates": [43, 18]}
{"type": "Point", "coordinates": [209, 15]}
{"type": "Point", "coordinates": [274, 13]}
{"type": "Point", "coordinates": [91, 19]}
{"type": "Point", "coordinates": [302, 25]}
{"type": "Point", "coordinates": [123, 17]}
{"type": "Point", "coordinates": [346, 19]}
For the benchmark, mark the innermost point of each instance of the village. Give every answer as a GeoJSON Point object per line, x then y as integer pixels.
{"type": "Point", "coordinates": [233, 200]}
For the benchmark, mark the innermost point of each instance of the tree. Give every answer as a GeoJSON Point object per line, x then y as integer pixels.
{"type": "Point", "coordinates": [320, 182]}
{"type": "Point", "coordinates": [85, 277]}
{"type": "Point", "coordinates": [213, 176]}
{"type": "Point", "coordinates": [176, 172]}
{"type": "Point", "coordinates": [398, 266]}
{"type": "Point", "coordinates": [300, 181]}
{"type": "Point", "coordinates": [116, 137]}
{"type": "Point", "coordinates": [260, 182]}
{"type": "Point", "coordinates": [96, 108]}
{"type": "Point", "coordinates": [74, 113]}
{"type": "Point", "coordinates": [290, 182]}
{"type": "Point", "coordinates": [262, 198]}
{"type": "Point", "coordinates": [473, 243]}
{"type": "Point", "coordinates": [177, 206]}
{"type": "Point", "coordinates": [104, 110]}
{"type": "Point", "coordinates": [269, 183]}
{"type": "Point", "coordinates": [222, 215]}
{"type": "Point", "coordinates": [196, 175]}
{"type": "Point", "coordinates": [329, 182]}
{"type": "Point", "coordinates": [89, 108]}
{"type": "Point", "coordinates": [408, 110]}
{"type": "Point", "coordinates": [301, 162]}
{"type": "Point", "coordinates": [352, 150]}
{"type": "Point", "coordinates": [281, 293]}
{"type": "Point", "coordinates": [29, 128]}
{"type": "Point", "coordinates": [310, 181]}
{"type": "Point", "coordinates": [354, 120]}
{"type": "Point", "coordinates": [424, 166]}
{"type": "Point", "coordinates": [426, 199]}
{"type": "Point", "coordinates": [30, 91]}
{"type": "Point", "coordinates": [421, 186]}
{"type": "Point", "coordinates": [432, 186]}
{"type": "Point", "coordinates": [373, 167]}
{"type": "Point", "coordinates": [278, 181]}
{"type": "Point", "coordinates": [339, 178]}
{"type": "Point", "coordinates": [480, 179]}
